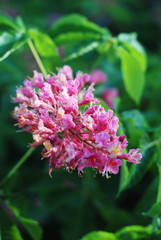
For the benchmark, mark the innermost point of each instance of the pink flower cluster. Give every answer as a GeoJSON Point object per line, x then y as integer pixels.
{"type": "Point", "coordinates": [97, 76]}
{"type": "Point", "coordinates": [109, 96]}
{"type": "Point", "coordinates": [74, 138]}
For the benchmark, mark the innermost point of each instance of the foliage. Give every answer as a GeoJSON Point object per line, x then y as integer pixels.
{"type": "Point", "coordinates": [68, 206]}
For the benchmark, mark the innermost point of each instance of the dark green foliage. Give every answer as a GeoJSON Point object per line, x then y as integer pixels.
{"type": "Point", "coordinates": [68, 206]}
{"type": "Point", "coordinates": [8, 228]}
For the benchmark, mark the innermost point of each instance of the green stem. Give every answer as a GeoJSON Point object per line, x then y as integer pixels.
{"type": "Point", "coordinates": [32, 48]}
{"type": "Point", "coordinates": [37, 57]}
{"type": "Point", "coordinates": [152, 144]}
{"type": "Point", "coordinates": [95, 64]}
{"type": "Point", "coordinates": [43, 70]}
{"type": "Point", "coordinates": [17, 166]}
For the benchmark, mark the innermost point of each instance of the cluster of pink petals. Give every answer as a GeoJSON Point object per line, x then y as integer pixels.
{"type": "Point", "coordinates": [49, 109]}
{"type": "Point", "coordinates": [97, 76]}
{"type": "Point", "coordinates": [109, 96]}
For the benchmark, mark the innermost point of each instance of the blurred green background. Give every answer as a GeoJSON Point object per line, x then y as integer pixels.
{"type": "Point", "coordinates": [68, 206]}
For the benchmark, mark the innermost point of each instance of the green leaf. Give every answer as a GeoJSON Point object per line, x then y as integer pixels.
{"type": "Point", "coordinates": [73, 37]}
{"type": "Point", "coordinates": [13, 48]}
{"type": "Point", "coordinates": [148, 197]}
{"type": "Point", "coordinates": [137, 172]}
{"type": "Point", "coordinates": [133, 75]}
{"type": "Point", "coordinates": [135, 125]}
{"type": "Point", "coordinates": [134, 232]}
{"type": "Point", "coordinates": [131, 38]}
{"type": "Point", "coordinates": [130, 42]}
{"type": "Point", "coordinates": [8, 229]}
{"type": "Point", "coordinates": [75, 22]}
{"type": "Point", "coordinates": [44, 44]}
{"type": "Point", "coordinates": [10, 42]}
{"type": "Point", "coordinates": [124, 175]}
{"type": "Point", "coordinates": [140, 57]}
{"type": "Point", "coordinates": [32, 227]}
{"type": "Point", "coordinates": [137, 117]}
{"type": "Point", "coordinates": [81, 51]}
{"type": "Point", "coordinates": [155, 210]}
{"type": "Point", "coordinates": [100, 235]}
{"type": "Point", "coordinates": [7, 22]}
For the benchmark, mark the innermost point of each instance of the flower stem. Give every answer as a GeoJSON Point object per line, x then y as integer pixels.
{"type": "Point", "coordinates": [17, 166]}
{"type": "Point", "coordinates": [32, 47]}
{"type": "Point", "coordinates": [151, 144]}
{"type": "Point", "coordinates": [43, 70]}
{"type": "Point", "coordinates": [37, 57]}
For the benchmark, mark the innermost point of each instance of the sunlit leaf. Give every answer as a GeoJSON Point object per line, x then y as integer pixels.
{"type": "Point", "coordinates": [73, 37]}
{"type": "Point", "coordinates": [44, 44]}
{"type": "Point", "coordinates": [7, 22]}
{"type": "Point", "coordinates": [134, 232]}
{"type": "Point", "coordinates": [75, 22]}
{"type": "Point", "coordinates": [99, 235]}
{"type": "Point", "coordinates": [130, 42]}
{"type": "Point", "coordinates": [133, 75]}
{"type": "Point", "coordinates": [140, 57]}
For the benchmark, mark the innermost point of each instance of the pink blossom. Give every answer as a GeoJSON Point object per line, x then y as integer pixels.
{"type": "Point", "coordinates": [114, 148]}
{"type": "Point", "coordinates": [28, 90]}
{"type": "Point", "coordinates": [73, 87]}
{"type": "Point", "coordinates": [102, 139]}
{"type": "Point", "coordinates": [67, 71]}
{"type": "Point", "coordinates": [82, 78]}
{"type": "Point", "coordinates": [20, 96]}
{"type": "Point", "coordinates": [37, 80]}
{"type": "Point", "coordinates": [109, 96]}
{"type": "Point", "coordinates": [70, 151]}
{"type": "Point", "coordinates": [87, 121]}
{"type": "Point", "coordinates": [112, 167]}
{"type": "Point", "coordinates": [67, 122]}
{"type": "Point", "coordinates": [49, 110]}
{"type": "Point", "coordinates": [88, 98]}
{"type": "Point", "coordinates": [134, 156]}
{"type": "Point", "coordinates": [97, 76]}
{"type": "Point", "coordinates": [46, 94]}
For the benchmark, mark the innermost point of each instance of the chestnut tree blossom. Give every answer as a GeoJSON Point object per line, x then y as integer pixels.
{"type": "Point", "coordinates": [49, 108]}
